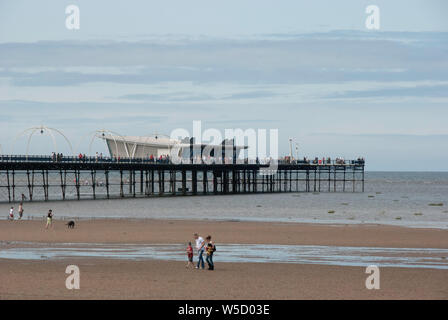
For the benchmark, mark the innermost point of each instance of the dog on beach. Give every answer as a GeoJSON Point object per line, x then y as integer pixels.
{"type": "Point", "coordinates": [70, 224]}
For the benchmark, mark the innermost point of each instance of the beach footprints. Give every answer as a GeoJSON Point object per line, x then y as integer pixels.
{"type": "Point", "coordinates": [73, 280]}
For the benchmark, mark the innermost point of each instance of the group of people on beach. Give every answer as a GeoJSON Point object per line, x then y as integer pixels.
{"type": "Point", "coordinates": [207, 247]}
{"type": "Point", "coordinates": [21, 210]}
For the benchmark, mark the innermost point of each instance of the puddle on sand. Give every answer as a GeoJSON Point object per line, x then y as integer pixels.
{"type": "Point", "coordinates": [259, 253]}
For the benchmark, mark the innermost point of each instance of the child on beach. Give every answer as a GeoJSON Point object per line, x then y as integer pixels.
{"type": "Point", "coordinates": [190, 256]}
{"type": "Point", "coordinates": [11, 214]}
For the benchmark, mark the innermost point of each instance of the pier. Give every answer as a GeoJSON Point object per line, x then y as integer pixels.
{"type": "Point", "coordinates": [42, 178]}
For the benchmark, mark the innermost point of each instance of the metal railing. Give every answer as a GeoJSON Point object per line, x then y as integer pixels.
{"type": "Point", "coordinates": [95, 159]}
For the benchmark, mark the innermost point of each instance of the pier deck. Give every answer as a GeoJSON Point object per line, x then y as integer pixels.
{"type": "Point", "coordinates": [40, 178]}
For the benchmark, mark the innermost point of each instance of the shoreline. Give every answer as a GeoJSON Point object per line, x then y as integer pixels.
{"type": "Point", "coordinates": [418, 225]}
{"type": "Point", "coordinates": [153, 231]}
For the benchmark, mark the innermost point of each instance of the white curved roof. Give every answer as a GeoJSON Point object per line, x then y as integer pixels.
{"type": "Point", "coordinates": [155, 140]}
{"type": "Point", "coordinates": [152, 140]}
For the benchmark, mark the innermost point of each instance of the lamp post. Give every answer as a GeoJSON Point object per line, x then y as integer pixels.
{"type": "Point", "coordinates": [42, 130]}
{"type": "Point", "coordinates": [297, 151]}
{"type": "Point", "coordinates": [290, 149]}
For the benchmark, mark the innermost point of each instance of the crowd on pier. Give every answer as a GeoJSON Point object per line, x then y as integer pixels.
{"type": "Point", "coordinates": [167, 159]}
{"type": "Point", "coordinates": [337, 161]}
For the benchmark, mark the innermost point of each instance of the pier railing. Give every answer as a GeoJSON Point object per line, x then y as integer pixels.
{"type": "Point", "coordinates": [95, 159]}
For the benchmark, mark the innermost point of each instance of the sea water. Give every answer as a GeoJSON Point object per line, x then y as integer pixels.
{"type": "Point", "coordinates": [413, 199]}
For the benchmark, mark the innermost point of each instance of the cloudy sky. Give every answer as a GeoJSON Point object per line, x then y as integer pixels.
{"type": "Point", "coordinates": [310, 69]}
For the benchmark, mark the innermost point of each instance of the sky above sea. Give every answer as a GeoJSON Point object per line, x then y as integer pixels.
{"type": "Point", "coordinates": [309, 69]}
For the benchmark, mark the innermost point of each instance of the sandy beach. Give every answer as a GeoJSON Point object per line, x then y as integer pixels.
{"type": "Point", "coordinates": [116, 279]}
{"type": "Point", "coordinates": [181, 231]}
{"type": "Point", "coordinates": [154, 279]}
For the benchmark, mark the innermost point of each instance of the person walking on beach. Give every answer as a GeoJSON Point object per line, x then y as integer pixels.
{"type": "Point", "coordinates": [20, 210]}
{"type": "Point", "coordinates": [200, 243]}
{"type": "Point", "coordinates": [49, 219]}
{"type": "Point", "coordinates": [190, 256]}
{"type": "Point", "coordinates": [209, 259]}
{"type": "Point", "coordinates": [11, 214]}
{"type": "Point", "coordinates": [210, 249]}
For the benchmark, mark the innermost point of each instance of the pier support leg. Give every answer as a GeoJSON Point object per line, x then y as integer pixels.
{"type": "Point", "coordinates": [147, 183]}
{"type": "Point", "coordinates": [205, 182]}
{"type": "Point", "coordinates": [194, 181]}
{"type": "Point", "coordinates": [363, 179]}
{"type": "Point", "coordinates": [9, 187]}
{"type": "Point", "coordinates": [335, 179]}
{"type": "Point", "coordinates": [244, 181]}
{"type": "Point", "coordinates": [133, 183]}
{"type": "Point", "coordinates": [30, 184]}
{"type": "Point", "coordinates": [77, 184]}
{"type": "Point", "coordinates": [13, 185]}
{"type": "Point", "coordinates": [106, 173]}
{"type": "Point", "coordinates": [319, 178]}
{"type": "Point", "coordinates": [184, 182]}
{"type": "Point", "coordinates": [63, 176]}
{"type": "Point", "coordinates": [173, 182]}
{"type": "Point", "coordinates": [161, 182]}
{"type": "Point", "coordinates": [121, 184]}
{"type": "Point", "coordinates": [141, 181]}
{"type": "Point", "coordinates": [343, 186]}
{"type": "Point", "coordinates": [93, 174]}
{"type": "Point", "coordinates": [152, 181]}
{"type": "Point", "coordinates": [255, 180]}
{"type": "Point", "coordinates": [215, 182]}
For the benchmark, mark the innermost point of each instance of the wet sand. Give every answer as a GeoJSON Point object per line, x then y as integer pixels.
{"type": "Point", "coordinates": [181, 231]}
{"type": "Point", "coordinates": [121, 279]}
{"type": "Point", "coordinates": [152, 279]}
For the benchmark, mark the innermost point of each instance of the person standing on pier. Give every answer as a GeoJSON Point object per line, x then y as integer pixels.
{"type": "Point", "coordinates": [200, 243]}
